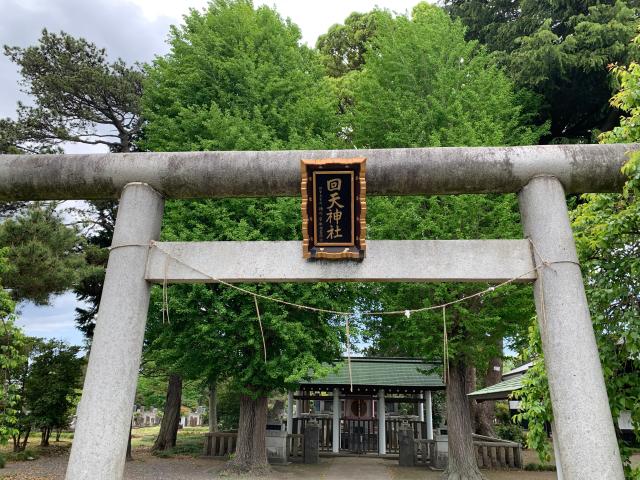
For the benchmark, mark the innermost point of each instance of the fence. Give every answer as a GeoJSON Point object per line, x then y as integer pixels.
{"type": "Point", "coordinates": [497, 453]}
{"type": "Point", "coordinates": [220, 444]}
{"type": "Point", "coordinates": [426, 452]}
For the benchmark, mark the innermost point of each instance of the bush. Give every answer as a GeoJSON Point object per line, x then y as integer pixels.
{"type": "Point", "coordinates": [2, 461]}
{"type": "Point", "coordinates": [540, 467]}
{"type": "Point", "coordinates": [511, 431]}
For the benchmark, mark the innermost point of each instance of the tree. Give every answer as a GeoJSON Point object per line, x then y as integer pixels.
{"type": "Point", "coordinates": [79, 96]}
{"type": "Point", "coordinates": [12, 361]}
{"type": "Point", "coordinates": [44, 255]}
{"type": "Point", "coordinates": [424, 85]}
{"type": "Point", "coordinates": [52, 386]}
{"type": "Point", "coordinates": [561, 51]}
{"type": "Point", "coordinates": [344, 45]}
{"type": "Point", "coordinates": [607, 233]}
{"type": "Point", "coordinates": [236, 79]}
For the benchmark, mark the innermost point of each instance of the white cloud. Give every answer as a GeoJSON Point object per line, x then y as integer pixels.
{"type": "Point", "coordinates": [53, 321]}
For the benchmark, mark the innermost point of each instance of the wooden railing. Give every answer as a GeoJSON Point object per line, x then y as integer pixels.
{"type": "Point", "coordinates": [295, 445]}
{"type": "Point", "coordinates": [426, 452]}
{"type": "Point", "coordinates": [497, 453]}
{"type": "Point", "coordinates": [220, 444]}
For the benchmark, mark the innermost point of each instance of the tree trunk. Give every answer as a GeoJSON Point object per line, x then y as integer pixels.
{"type": "Point", "coordinates": [171, 418]}
{"type": "Point", "coordinates": [251, 450]}
{"type": "Point", "coordinates": [58, 433]}
{"type": "Point", "coordinates": [25, 440]}
{"type": "Point", "coordinates": [213, 408]}
{"type": "Point", "coordinates": [462, 458]}
{"type": "Point", "coordinates": [44, 437]}
{"type": "Point", "coordinates": [486, 411]}
{"type": "Point", "coordinates": [129, 455]}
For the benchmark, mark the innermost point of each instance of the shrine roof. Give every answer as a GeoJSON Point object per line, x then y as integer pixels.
{"type": "Point", "coordinates": [405, 373]}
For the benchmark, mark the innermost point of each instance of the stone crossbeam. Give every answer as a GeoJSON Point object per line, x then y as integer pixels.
{"type": "Point", "coordinates": [492, 261]}
{"type": "Point", "coordinates": [406, 171]}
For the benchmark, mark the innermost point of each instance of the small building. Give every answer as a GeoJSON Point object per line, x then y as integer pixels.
{"type": "Point", "coordinates": [362, 412]}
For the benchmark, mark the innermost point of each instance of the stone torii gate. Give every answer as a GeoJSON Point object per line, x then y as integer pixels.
{"type": "Point", "coordinates": [541, 175]}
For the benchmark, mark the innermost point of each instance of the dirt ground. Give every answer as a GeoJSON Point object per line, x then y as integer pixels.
{"type": "Point", "coordinates": [149, 467]}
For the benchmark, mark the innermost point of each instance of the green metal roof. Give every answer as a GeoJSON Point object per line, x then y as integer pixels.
{"type": "Point", "coordinates": [499, 391]}
{"type": "Point", "coordinates": [382, 372]}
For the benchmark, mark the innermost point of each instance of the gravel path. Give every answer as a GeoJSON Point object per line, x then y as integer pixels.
{"type": "Point", "coordinates": [149, 467]}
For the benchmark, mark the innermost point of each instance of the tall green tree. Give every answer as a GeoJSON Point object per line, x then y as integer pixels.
{"type": "Point", "coordinates": [424, 85]}
{"type": "Point", "coordinates": [561, 51]}
{"type": "Point", "coordinates": [52, 386]}
{"type": "Point", "coordinates": [237, 78]}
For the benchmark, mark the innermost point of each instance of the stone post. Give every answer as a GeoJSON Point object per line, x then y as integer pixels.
{"type": "Point", "coordinates": [406, 444]}
{"type": "Point", "coordinates": [382, 433]}
{"type": "Point", "coordinates": [429, 417]}
{"type": "Point", "coordinates": [585, 432]}
{"type": "Point", "coordinates": [290, 413]}
{"type": "Point", "coordinates": [312, 442]}
{"type": "Point", "coordinates": [335, 441]}
{"type": "Point", "coordinates": [104, 413]}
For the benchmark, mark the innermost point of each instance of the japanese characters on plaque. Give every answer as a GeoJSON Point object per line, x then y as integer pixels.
{"type": "Point", "coordinates": [333, 208]}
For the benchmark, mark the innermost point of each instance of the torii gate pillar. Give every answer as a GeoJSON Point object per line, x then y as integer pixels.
{"type": "Point", "coordinates": [104, 413]}
{"type": "Point", "coordinates": [585, 432]}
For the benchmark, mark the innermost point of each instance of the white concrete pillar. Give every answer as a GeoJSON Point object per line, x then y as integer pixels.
{"type": "Point", "coordinates": [335, 442]}
{"type": "Point", "coordinates": [429, 416]}
{"type": "Point", "coordinates": [556, 452]}
{"type": "Point", "coordinates": [382, 432]}
{"type": "Point", "coordinates": [104, 414]}
{"type": "Point", "coordinates": [290, 412]}
{"type": "Point", "coordinates": [586, 438]}
{"type": "Point", "coordinates": [421, 408]}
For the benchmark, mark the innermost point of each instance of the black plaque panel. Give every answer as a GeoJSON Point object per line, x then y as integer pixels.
{"type": "Point", "coordinates": [333, 208]}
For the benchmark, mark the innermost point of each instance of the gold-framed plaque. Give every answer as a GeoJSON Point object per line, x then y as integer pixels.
{"type": "Point", "coordinates": [334, 208]}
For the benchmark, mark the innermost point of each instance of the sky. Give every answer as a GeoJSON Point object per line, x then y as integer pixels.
{"type": "Point", "coordinates": [134, 30]}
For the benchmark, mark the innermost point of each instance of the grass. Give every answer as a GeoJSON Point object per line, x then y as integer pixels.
{"type": "Point", "coordinates": [190, 443]}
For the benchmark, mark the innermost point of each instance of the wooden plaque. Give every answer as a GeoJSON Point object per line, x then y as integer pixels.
{"type": "Point", "coordinates": [334, 208]}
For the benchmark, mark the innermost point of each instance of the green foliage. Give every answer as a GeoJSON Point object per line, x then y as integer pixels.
{"type": "Point", "coordinates": [12, 360]}
{"type": "Point", "coordinates": [52, 384]}
{"type": "Point", "coordinates": [79, 96]}
{"type": "Point", "coordinates": [607, 233]}
{"type": "Point", "coordinates": [424, 85]}
{"type": "Point", "coordinates": [43, 254]}
{"type": "Point", "coordinates": [236, 79]}
{"type": "Point", "coordinates": [512, 432]}
{"type": "Point", "coordinates": [535, 402]}
{"type": "Point", "coordinates": [537, 467]}
{"type": "Point", "coordinates": [561, 51]}
{"type": "Point", "coordinates": [344, 45]}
